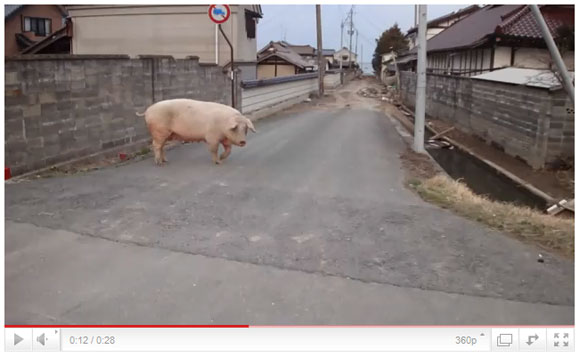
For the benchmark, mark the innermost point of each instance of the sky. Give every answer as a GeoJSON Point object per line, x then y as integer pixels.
{"type": "Point", "coordinates": [297, 23]}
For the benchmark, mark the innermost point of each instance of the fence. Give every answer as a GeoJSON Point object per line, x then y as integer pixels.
{"type": "Point", "coordinates": [266, 96]}
{"type": "Point", "coordinates": [65, 107]}
{"type": "Point", "coordinates": [536, 125]}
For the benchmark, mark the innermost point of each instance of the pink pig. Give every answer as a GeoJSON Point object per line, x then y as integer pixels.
{"type": "Point", "coordinates": [193, 120]}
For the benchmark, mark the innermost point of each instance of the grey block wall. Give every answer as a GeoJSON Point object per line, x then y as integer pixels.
{"type": "Point", "coordinates": [533, 124]}
{"type": "Point", "coordinates": [61, 107]}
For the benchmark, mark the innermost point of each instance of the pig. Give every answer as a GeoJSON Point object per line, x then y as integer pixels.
{"type": "Point", "coordinates": [191, 120]}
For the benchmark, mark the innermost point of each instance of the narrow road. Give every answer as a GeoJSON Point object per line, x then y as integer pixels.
{"type": "Point", "coordinates": [310, 223]}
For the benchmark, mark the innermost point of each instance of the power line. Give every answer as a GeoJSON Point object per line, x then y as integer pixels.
{"type": "Point", "coordinates": [381, 29]}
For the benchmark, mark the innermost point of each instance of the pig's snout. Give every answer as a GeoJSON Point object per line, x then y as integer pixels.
{"type": "Point", "coordinates": [242, 143]}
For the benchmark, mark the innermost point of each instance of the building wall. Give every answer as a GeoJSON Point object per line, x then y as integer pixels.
{"type": "Point", "coordinates": [338, 55]}
{"type": "Point", "coordinates": [468, 63]}
{"type": "Point", "coordinates": [269, 70]}
{"type": "Point", "coordinates": [539, 58]}
{"type": "Point", "coordinates": [14, 25]}
{"type": "Point", "coordinates": [502, 57]}
{"type": "Point", "coordinates": [533, 124]}
{"type": "Point", "coordinates": [178, 31]}
{"type": "Point", "coordinates": [247, 47]}
{"type": "Point", "coordinates": [60, 108]}
{"type": "Point", "coordinates": [464, 63]}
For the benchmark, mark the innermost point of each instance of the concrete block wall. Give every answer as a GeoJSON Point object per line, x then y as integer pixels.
{"type": "Point", "coordinates": [530, 123]}
{"type": "Point", "coordinates": [331, 80]}
{"type": "Point", "coordinates": [62, 107]}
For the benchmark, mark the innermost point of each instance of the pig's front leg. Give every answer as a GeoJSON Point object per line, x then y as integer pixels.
{"type": "Point", "coordinates": [213, 149]}
{"type": "Point", "coordinates": [228, 150]}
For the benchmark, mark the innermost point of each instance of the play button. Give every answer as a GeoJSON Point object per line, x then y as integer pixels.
{"type": "Point", "coordinates": [17, 339]}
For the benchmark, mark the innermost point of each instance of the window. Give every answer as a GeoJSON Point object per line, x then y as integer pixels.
{"type": "Point", "coordinates": [40, 26]}
{"type": "Point", "coordinates": [344, 57]}
{"type": "Point", "coordinates": [251, 19]}
{"type": "Point", "coordinates": [250, 26]}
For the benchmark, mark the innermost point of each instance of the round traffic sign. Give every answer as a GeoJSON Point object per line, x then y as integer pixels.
{"type": "Point", "coordinates": [219, 13]}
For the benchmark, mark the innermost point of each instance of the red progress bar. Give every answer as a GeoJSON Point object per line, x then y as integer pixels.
{"type": "Point", "coordinates": [126, 326]}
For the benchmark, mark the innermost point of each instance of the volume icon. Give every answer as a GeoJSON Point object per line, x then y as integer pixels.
{"type": "Point", "coordinates": [41, 339]}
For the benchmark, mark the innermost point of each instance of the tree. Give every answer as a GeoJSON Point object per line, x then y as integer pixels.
{"type": "Point", "coordinates": [391, 40]}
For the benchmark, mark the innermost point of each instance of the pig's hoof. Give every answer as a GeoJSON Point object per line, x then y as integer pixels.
{"type": "Point", "coordinates": [217, 162]}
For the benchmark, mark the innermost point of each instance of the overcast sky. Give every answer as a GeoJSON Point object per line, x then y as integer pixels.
{"type": "Point", "coordinates": [298, 23]}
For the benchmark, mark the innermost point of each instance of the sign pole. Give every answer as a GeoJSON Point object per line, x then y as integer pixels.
{"type": "Point", "coordinates": [220, 14]}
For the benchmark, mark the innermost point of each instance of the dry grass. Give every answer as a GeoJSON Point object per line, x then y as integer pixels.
{"type": "Point", "coordinates": [552, 233]}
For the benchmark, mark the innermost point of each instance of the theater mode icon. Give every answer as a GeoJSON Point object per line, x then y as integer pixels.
{"type": "Point", "coordinates": [505, 340]}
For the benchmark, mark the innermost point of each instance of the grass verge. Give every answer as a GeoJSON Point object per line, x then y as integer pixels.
{"type": "Point", "coordinates": [551, 233]}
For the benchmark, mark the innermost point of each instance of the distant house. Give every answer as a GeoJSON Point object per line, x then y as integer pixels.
{"type": "Point", "coordinates": [310, 55]}
{"type": "Point", "coordinates": [279, 59]}
{"type": "Point", "coordinates": [328, 55]}
{"type": "Point", "coordinates": [174, 30]}
{"type": "Point", "coordinates": [26, 25]}
{"type": "Point", "coordinates": [439, 24]}
{"type": "Point", "coordinates": [346, 57]}
{"type": "Point", "coordinates": [387, 65]}
{"type": "Point", "coordinates": [307, 52]}
{"type": "Point", "coordinates": [494, 37]}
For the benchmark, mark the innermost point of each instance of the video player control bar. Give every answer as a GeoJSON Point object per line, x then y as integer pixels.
{"type": "Point", "coordinates": [291, 339]}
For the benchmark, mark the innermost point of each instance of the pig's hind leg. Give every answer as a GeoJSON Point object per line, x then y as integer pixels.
{"type": "Point", "coordinates": [159, 139]}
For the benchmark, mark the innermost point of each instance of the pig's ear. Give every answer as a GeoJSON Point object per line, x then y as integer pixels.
{"type": "Point", "coordinates": [250, 125]}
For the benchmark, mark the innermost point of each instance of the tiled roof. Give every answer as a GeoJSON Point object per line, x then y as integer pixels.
{"type": "Point", "coordinates": [10, 9]}
{"type": "Point", "coordinates": [303, 49]}
{"type": "Point", "coordinates": [502, 20]}
{"type": "Point", "coordinates": [284, 51]}
{"type": "Point", "coordinates": [326, 52]}
{"type": "Point", "coordinates": [471, 29]}
{"type": "Point", "coordinates": [523, 24]}
{"type": "Point", "coordinates": [436, 22]}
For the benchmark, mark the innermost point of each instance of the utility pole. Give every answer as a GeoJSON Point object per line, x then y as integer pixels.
{"type": "Point", "coordinates": [356, 48]}
{"type": "Point", "coordinates": [361, 58]}
{"type": "Point", "coordinates": [553, 51]}
{"type": "Point", "coordinates": [350, 43]}
{"type": "Point", "coordinates": [341, 33]}
{"type": "Point", "coordinates": [321, 66]}
{"type": "Point", "coordinates": [421, 81]}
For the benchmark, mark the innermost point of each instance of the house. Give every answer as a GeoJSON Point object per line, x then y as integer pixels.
{"type": "Point", "coordinates": [408, 60]}
{"type": "Point", "coordinates": [174, 30]}
{"type": "Point", "coordinates": [387, 65]}
{"type": "Point", "coordinates": [498, 36]}
{"type": "Point", "coordinates": [26, 25]}
{"type": "Point", "coordinates": [346, 58]}
{"type": "Point", "coordinates": [307, 52]}
{"type": "Point", "coordinates": [328, 55]}
{"type": "Point", "coordinates": [310, 54]}
{"type": "Point", "coordinates": [439, 24]}
{"type": "Point", "coordinates": [278, 59]}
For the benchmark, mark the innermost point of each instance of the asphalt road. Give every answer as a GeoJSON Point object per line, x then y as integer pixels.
{"type": "Point", "coordinates": [310, 223]}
